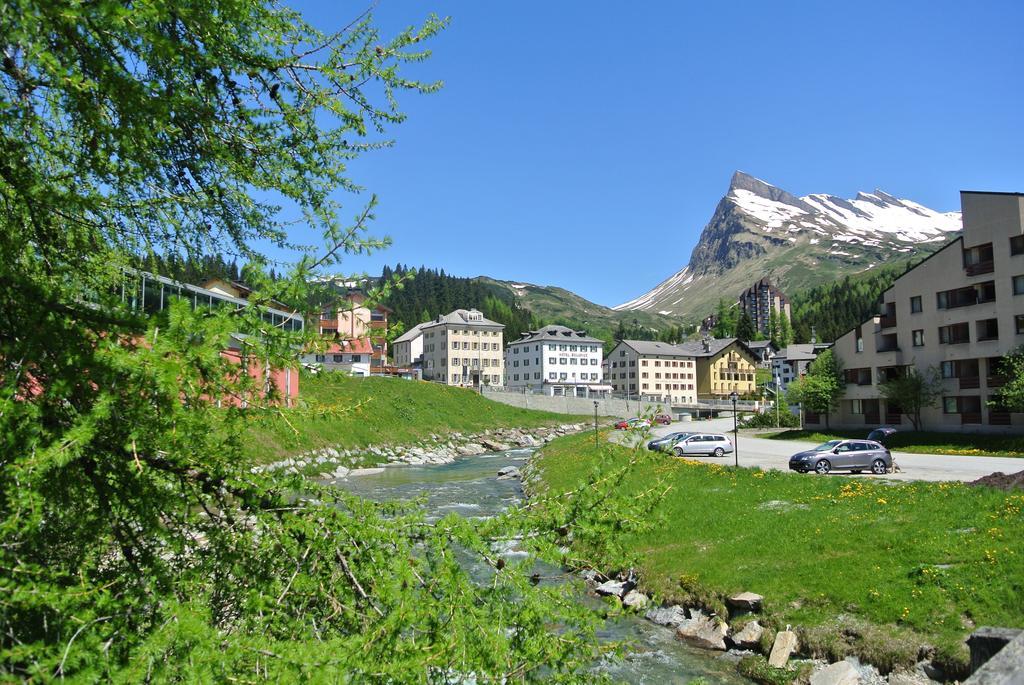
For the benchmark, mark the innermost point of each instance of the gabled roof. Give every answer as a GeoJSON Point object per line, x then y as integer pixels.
{"type": "Point", "coordinates": [715, 345]}
{"type": "Point", "coordinates": [413, 333]}
{"type": "Point", "coordinates": [760, 344]}
{"type": "Point", "coordinates": [557, 333]}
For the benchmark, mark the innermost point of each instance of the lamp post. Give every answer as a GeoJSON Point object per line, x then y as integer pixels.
{"type": "Point", "coordinates": [778, 389]}
{"type": "Point", "coordinates": [596, 444]}
{"type": "Point", "coordinates": [734, 396]}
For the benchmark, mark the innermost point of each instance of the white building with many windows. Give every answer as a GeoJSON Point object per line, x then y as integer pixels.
{"type": "Point", "coordinates": [556, 360]}
{"type": "Point", "coordinates": [463, 348]}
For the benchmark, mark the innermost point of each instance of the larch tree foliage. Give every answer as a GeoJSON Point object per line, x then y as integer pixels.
{"type": "Point", "coordinates": [136, 543]}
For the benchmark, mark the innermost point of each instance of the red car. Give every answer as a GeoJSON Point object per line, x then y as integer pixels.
{"type": "Point", "coordinates": [663, 419]}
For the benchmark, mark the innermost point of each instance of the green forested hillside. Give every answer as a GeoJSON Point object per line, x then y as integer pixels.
{"type": "Point", "coordinates": [834, 308]}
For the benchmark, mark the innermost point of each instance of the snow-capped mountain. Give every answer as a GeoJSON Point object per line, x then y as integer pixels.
{"type": "Point", "coordinates": [759, 230]}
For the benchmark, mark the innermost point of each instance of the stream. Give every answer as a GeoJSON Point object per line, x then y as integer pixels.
{"type": "Point", "coordinates": [469, 487]}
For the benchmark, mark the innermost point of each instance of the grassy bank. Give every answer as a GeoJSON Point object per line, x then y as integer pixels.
{"type": "Point", "coordinates": [349, 413]}
{"type": "Point", "coordinates": [922, 442]}
{"type": "Point", "coordinates": [862, 566]}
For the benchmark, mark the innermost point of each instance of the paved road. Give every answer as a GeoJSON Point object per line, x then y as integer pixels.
{"type": "Point", "coordinates": [774, 454]}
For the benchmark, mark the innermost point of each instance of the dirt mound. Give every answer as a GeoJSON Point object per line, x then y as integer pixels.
{"type": "Point", "coordinates": [1002, 481]}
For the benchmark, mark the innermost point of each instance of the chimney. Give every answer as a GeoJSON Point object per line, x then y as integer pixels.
{"type": "Point", "coordinates": [707, 344]}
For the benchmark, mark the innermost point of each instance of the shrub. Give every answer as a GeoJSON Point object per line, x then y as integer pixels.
{"type": "Point", "coordinates": [786, 419]}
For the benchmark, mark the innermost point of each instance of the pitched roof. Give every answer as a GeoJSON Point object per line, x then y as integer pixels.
{"type": "Point", "coordinates": [797, 352]}
{"type": "Point", "coordinates": [559, 334]}
{"type": "Point", "coordinates": [758, 344]}
{"type": "Point", "coordinates": [463, 317]}
{"type": "Point", "coordinates": [715, 345]}
{"type": "Point", "coordinates": [351, 346]}
{"type": "Point", "coordinates": [413, 333]}
{"type": "Point", "coordinates": [654, 347]}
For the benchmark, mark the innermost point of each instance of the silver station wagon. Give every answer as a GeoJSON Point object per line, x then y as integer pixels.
{"type": "Point", "coordinates": [843, 455]}
{"type": "Point", "coordinates": [709, 444]}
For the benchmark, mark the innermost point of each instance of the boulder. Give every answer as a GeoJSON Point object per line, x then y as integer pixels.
{"type": "Point", "coordinates": [745, 601]}
{"type": "Point", "coordinates": [340, 472]}
{"type": "Point", "coordinates": [667, 616]}
{"type": "Point", "coordinates": [509, 473]}
{"type": "Point", "coordinates": [495, 446]}
{"type": "Point", "coordinates": [749, 637]}
{"type": "Point", "coordinates": [707, 632]}
{"type": "Point", "coordinates": [839, 673]}
{"type": "Point", "coordinates": [635, 600]}
{"type": "Point", "coordinates": [614, 588]}
{"type": "Point", "coordinates": [785, 644]}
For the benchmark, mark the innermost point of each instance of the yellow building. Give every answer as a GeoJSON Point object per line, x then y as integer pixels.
{"type": "Point", "coordinates": [724, 365]}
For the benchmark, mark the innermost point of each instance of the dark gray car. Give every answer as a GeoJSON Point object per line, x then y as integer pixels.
{"type": "Point", "coordinates": [843, 455]}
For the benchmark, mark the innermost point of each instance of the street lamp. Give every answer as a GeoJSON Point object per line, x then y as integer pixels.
{"type": "Point", "coordinates": [734, 396]}
{"type": "Point", "coordinates": [596, 444]}
{"type": "Point", "coordinates": [778, 389]}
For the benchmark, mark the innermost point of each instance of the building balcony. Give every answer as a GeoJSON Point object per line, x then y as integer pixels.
{"type": "Point", "coordinates": [979, 268]}
{"type": "Point", "coordinates": [893, 417]}
{"type": "Point", "coordinates": [887, 321]}
{"type": "Point", "coordinates": [970, 417]}
{"type": "Point", "coordinates": [998, 418]}
{"type": "Point", "coordinates": [970, 382]}
{"type": "Point", "coordinates": [995, 381]}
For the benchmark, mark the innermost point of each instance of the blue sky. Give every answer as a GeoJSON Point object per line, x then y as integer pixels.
{"type": "Point", "coordinates": [586, 144]}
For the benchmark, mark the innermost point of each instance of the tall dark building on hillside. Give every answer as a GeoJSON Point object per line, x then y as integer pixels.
{"type": "Point", "coordinates": [760, 299]}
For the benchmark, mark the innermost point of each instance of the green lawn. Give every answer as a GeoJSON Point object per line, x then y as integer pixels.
{"type": "Point", "coordinates": [921, 442]}
{"type": "Point", "coordinates": [862, 566]}
{"type": "Point", "coordinates": [345, 413]}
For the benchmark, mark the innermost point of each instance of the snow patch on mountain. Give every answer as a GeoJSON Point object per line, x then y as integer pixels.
{"type": "Point", "coordinates": [681, 278]}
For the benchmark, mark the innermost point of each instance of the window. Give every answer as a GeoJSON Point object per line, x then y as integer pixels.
{"type": "Point", "coordinates": [1018, 285]}
{"type": "Point", "coordinates": [918, 338]}
{"type": "Point", "coordinates": [856, 407]}
{"type": "Point", "coordinates": [954, 334]}
{"type": "Point", "coordinates": [536, 375]}
{"type": "Point", "coordinates": [948, 370]}
{"type": "Point", "coordinates": [1017, 244]}
{"type": "Point", "coordinates": [988, 329]}
{"type": "Point", "coordinates": [455, 361]}
{"type": "Point", "coordinates": [338, 358]}
{"type": "Point", "coordinates": [552, 375]}
{"type": "Point", "coordinates": [515, 377]}
{"type": "Point", "coordinates": [563, 361]}
{"type": "Point", "coordinates": [949, 405]}
{"type": "Point", "coordinates": [859, 341]}
{"type": "Point", "coordinates": [455, 344]}
{"type": "Point", "coordinates": [562, 376]}
{"type": "Point", "coordinates": [552, 360]}
{"type": "Point", "coordinates": [1019, 321]}
{"type": "Point", "coordinates": [915, 304]}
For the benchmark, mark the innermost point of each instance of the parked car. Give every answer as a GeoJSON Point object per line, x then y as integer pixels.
{"type": "Point", "coordinates": [633, 423]}
{"type": "Point", "coordinates": [882, 434]}
{"type": "Point", "coordinates": [710, 444]}
{"type": "Point", "coordinates": [845, 455]}
{"type": "Point", "coordinates": [663, 419]}
{"type": "Point", "coordinates": [666, 443]}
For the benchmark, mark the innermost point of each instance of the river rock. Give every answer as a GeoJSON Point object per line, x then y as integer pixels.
{"type": "Point", "coordinates": [495, 446]}
{"type": "Point", "coordinates": [785, 644]}
{"type": "Point", "coordinates": [470, 449]}
{"type": "Point", "coordinates": [509, 473]}
{"type": "Point", "coordinates": [667, 616]}
{"type": "Point", "coordinates": [635, 600]}
{"type": "Point", "coordinates": [749, 637]}
{"type": "Point", "coordinates": [614, 588]}
{"type": "Point", "coordinates": [745, 601]}
{"type": "Point", "coordinates": [839, 673]}
{"type": "Point", "coordinates": [366, 472]}
{"type": "Point", "coordinates": [703, 631]}
{"type": "Point", "coordinates": [340, 472]}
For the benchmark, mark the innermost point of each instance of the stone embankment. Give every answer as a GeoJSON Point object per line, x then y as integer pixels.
{"type": "Point", "coordinates": [329, 463]}
{"type": "Point", "coordinates": [744, 634]}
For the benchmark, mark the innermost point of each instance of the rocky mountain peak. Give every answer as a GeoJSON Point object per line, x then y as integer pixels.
{"type": "Point", "coordinates": [743, 182]}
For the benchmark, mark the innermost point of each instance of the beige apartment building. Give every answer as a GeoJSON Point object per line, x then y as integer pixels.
{"type": "Point", "coordinates": [959, 311]}
{"type": "Point", "coordinates": [463, 348]}
{"type": "Point", "coordinates": [656, 371]}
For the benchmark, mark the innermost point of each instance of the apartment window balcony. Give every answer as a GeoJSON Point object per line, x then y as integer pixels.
{"type": "Point", "coordinates": [978, 269]}
{"type": "Point", "coordinates": [970, 383]}
{"type": "Point", "coordinates": [995, 381]}
{"type": "Point", "coordinates": [887, 321]}
{"type": "Point", "coordinates": [998, 418]}
{"type": "Point", "coordinates": [970, 417]}
{"type": "Point", "coordinates": [893, 416]}
{"type": "Point", "coordinates": [887, 346]}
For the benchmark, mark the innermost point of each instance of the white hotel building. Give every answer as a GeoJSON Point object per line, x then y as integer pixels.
{"type": "Point", "coordinates": [556, 360]}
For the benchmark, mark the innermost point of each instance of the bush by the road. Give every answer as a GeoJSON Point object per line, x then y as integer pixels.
{"type": "Point", "coordinates": [768, 419]}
